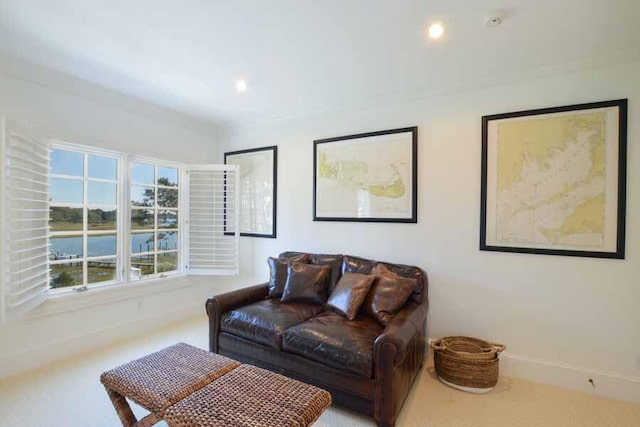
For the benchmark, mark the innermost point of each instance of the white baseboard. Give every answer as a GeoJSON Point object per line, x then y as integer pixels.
{"type": "Point", "coordinates": [16, 363]}
{"type": "Point", "coordinates": [571, 377]}
{"type": "Point", "coordinates": [607, 385]}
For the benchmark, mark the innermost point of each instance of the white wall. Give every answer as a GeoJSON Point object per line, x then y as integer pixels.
{"type": "Point", "coordinates": [563, 319]}
{"type": "Point", "coordinates": [78, 112]}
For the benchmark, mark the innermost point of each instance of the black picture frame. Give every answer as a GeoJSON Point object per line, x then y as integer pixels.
{"type": "Point", "coordinates": [254, 153]}
{"type": "Point", "coordinates": [405, 151]}
{"type": "Point", "coordinates": [614, 151]}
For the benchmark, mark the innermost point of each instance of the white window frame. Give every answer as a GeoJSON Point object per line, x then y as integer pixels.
{"type": "Point", "coordinates": [86, 151]}
{"type": "Point", "coordinates": [123, 229]}
{"type": "Point", "coordinates": [157, 163]}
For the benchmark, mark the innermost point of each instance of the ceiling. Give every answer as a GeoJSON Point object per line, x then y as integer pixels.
{"type": "Point", "coordinates": [302, 57]}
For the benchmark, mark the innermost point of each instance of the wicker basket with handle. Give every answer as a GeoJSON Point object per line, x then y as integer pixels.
{"type": "Point", "coordinates": [467, 363]}
{"type": "Point", "coordinates": [468, 348]}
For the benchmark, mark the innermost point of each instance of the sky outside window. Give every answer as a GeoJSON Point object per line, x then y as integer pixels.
{"type": "Point", "coordinates": [70, 163]}
{"type": "Point", "coordinates": [102, 193]}
{"type": "Point", "coordinates": [66, 190]}
{"type": "Point", "coordinates": [103, 168]}
{"type": "Point", "coordinates": [67, 163]}
{"type": "Point", "coordinates": [142, 173]}
{"type": "Point", "coordinates": [168, 176]}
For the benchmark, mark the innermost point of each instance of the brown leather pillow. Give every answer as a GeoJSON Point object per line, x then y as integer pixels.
{"type": "Point", "coordinates": [388, 294]}
{"type": "Point", "coordinates": [335, 262]}
{"type": "Point", "coordinates": [278, 273]}
{"type": "Point", "coordinates": [306, 283]}
{"type": "Point", "coordinates": [349, 294]}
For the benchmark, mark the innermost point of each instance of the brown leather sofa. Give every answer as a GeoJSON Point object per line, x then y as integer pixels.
{"type": "Point", "coordinates": [366, 367]}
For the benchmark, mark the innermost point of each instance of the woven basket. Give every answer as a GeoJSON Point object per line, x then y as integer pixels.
{"type": "Point", "coordinates": [467, 363]}
{"type": "Point", "coordinates": [468, 348]}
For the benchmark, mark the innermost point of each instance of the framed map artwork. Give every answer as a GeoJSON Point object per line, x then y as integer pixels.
{"type": "Point", "coordinates": [258, 190]}
{"type": "Point", "coordinates": [369, 177]}
{"type": "Point", "coordinates": [554, 181]}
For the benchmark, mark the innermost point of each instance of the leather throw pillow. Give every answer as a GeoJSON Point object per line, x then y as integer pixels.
{"type": "Point", "coordinates": [349, 294]}
{"type": "Point", "coordinates": [387, 295]}
{"type": "Point", "coordinates": [306, 283]}
{"type": "Point", "coordinates": [335, 262]}
{"type": "Point", "coordinates": [278, 273]}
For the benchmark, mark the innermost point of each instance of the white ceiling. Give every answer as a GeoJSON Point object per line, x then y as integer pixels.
{"type": "Point", "coordinates": [301, 57]}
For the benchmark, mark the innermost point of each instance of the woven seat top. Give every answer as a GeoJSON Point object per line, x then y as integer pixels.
{"type": "Point", "coordinates": [160, 379]}
{"type": "Point", "coordinates": [250, 396]}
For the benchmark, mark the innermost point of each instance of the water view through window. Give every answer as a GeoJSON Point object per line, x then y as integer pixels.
{"type": "Point", "coordinates": [71, 247]}
{"type": "Point", "coordinates": [154, 240]}
{"type": "Point", "coordinates": [83, 218]}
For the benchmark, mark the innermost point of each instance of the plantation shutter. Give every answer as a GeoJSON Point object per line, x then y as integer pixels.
{"type": "Point", "coordinates": [213, 220]}
{"type": "Point", "coordinates": [25, 220]}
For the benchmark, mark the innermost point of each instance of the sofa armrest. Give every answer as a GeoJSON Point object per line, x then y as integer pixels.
{"type": "Point", "coordinates": [218, 305]}
{"type": "Point", "coordinates": [237, 298]}
{"type": "Point", "coordinates": [399, 332]}
{"type": "Point", "coordinates": [399, 354]}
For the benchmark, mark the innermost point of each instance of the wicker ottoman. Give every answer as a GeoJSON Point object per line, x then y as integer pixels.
{"type": "Point", "coordinates": [187, 386]}
{"type": "Point", "coordinates": [161, 379]}
{"type": "Point", "coordinates": [250, 396]}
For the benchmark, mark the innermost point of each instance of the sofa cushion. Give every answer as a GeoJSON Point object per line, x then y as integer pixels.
{"type": "Point", "coordinates": [365, 266]}
{"type": "Point", "coordinates": [331, 339]}
{"type": "Point", "coordinates": [306, 283]}
{"type": "Point", "coordinates": [265, 321]}
{"type": "Point", "coordinates": [278, 272]}
{"type": "Point", "coordinates": [334, 261]}
{"type": "Point", "coordinates": [350, 293]}
{"type": "Point", "coordinates": [387, 295]}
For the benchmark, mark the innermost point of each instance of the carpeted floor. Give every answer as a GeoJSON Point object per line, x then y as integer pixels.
{"type": "Point", "coordinates": [68, 393]}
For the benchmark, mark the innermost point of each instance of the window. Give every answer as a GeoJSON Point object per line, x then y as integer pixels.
{"type": "Point", "coordinates": [83, 219]}
{"type": "Point", "coordinates": [75, 217]}
{"type": "Point", "coordinates": [154, 242]}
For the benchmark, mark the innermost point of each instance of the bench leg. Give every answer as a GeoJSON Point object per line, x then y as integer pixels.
{"type": "Point", "coordinates": [148, 421]}
{"type": "Point", "coordinates": [122, 408]}
{"type": "Point", "coordinates": [127, 416]}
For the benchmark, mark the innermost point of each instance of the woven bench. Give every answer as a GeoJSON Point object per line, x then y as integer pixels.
{"type": "Point", "coordinates": [188, 386]}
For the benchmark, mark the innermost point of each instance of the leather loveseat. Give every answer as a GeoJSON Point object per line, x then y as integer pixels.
{"type": "Point", "coordinates": [367, 367]}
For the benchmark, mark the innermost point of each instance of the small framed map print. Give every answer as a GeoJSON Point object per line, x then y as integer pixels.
{"type": "Point", "coordinates": [258, 189]}
{"type": "Point", "coordinates": [369, 177]}
{"type": "Point", "coordinates": [554, 181]}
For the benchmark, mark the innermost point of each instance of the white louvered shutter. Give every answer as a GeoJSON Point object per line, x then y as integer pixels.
{"type": "Point", "coordinates": [213, 246]}
{"type": "Point", "coordinates": [25, 220]}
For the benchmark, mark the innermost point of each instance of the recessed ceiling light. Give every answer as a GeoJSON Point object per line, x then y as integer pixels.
{"type": "Point", "coordinates": [436, 30]}
{"type": "Point", "coordinates": [241, 85]}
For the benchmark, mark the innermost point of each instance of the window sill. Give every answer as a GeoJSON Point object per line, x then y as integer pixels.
{"type": "Point", "coordinates": [72, 301]}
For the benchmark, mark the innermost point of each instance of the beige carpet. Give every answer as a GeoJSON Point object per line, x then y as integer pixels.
{"type": "Point", "coordinates": [68, 393]}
